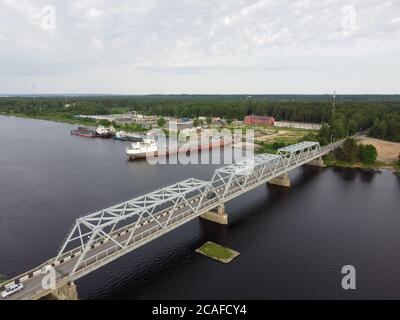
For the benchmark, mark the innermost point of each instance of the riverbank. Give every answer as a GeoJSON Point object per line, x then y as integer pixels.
{"type": "Point", "coordinates": [330, 161]}
{"type": "Point", "coordinates": [388, 151]}
{"type": "Point", "coordinates": [51, 117]}
{"type": "Point", "coordinates": [76, 121]}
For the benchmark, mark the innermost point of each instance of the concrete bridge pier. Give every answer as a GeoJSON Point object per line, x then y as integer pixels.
{"type": "Point", "coordinates": [67, 292]}
{"type": "Point", "coordinates": [316, 163]}
{"type": "Point", "coordinates": [282, 181]}
{"type": "Point", "coordinates": [217, 215]}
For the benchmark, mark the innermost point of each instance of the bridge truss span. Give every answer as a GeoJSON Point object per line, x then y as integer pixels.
{"type": "Point", "coordinates": [105, 235]}
{"type": "Point", "coordinates": [130, 219]}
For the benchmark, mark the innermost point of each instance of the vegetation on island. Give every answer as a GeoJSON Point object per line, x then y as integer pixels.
{"type": "Point", "coordinates": [217, 252]}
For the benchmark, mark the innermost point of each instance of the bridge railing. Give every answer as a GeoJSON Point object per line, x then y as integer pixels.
{"type": "Point", "coordinates": [120, 228]}
{"type": "Point", "coordinates": [261, 170]}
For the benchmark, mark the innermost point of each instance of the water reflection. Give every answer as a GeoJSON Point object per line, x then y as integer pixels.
{"type": "Point", "coordinates": [347, 174]}
{"type": "Point", "coordinates": [307, 173]}
{"type": "Point", "coordinates": [367, 176]}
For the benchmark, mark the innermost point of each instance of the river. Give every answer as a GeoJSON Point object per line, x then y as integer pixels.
{"type": "Point", "coordinates": [293, 242]}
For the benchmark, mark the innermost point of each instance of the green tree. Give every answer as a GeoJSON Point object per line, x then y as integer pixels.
{"type": "Point", "coordinates": [398, 162]}
{"type": "Point", "coordinates": [348, 152]}
{"type": "Point", "coordinates": [324, 135]}
{"type": "Point", "coordinates": [354, 123]}
{"type": "Point", "coordinates": [367, 153]}
{"type": "Point", "coordinates": [310, 137]}
{"type": "Point", "coordinates": [105, 123]}
{"type": "Point", "coordinates": [338, 127]}
{"type": "Point", "coordinates": [393, 127]}
{"type": "Point", "coordinates": [379, 130]}
{"type": "Point", "coordinates": [278, 144]}
{"type": "Point", "coordinates": [196, 122]}
{"type": "Point", "coordinates": [209, 120]}
{"type": "Point", "coordinates": [161, 122]}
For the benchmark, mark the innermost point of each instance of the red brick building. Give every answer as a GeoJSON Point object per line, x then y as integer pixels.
{"type": "Point", "coordinates": [259, 120]}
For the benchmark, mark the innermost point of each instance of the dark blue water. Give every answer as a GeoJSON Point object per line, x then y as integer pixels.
{"type": "Point", "coordinates": [293, 243]}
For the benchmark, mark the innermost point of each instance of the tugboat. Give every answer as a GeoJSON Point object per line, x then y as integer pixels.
{"type": "Point", "coordinates": [104, 132]}
{"type": "Point", "coordinates": [120, 135]}
{"type": "Point", "coordinates": [135, 137]}
{"type": "Point", "coordinates": [123, 136]}
{"type": "Point", "coordinates": [84, 132]}
{"type": "Point", "coordinates": [139, 150]}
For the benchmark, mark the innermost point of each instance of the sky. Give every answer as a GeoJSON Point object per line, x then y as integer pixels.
{"type": "Point", "coordinates": [199, 46]}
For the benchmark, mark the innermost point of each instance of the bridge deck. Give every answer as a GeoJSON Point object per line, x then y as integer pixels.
{"type": "Point", "coordinates": [100, 245]}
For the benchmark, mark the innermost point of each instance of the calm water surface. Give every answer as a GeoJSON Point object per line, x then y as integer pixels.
{"type": "Point", "coordinates": [293, 243]}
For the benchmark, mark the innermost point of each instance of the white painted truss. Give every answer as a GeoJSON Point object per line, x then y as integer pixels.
{"type": "Point", "coordinates": [105, 235]}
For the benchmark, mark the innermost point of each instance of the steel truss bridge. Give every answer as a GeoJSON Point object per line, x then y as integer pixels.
{"type": "Point", "coordinates": [103, 236]}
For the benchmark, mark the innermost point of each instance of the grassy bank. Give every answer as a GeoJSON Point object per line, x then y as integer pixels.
{"type": "Point", "coordinates": [397, 168]}
{"type": "Point", "coordinates": [3, 278]}
{"type": "Point", "coordinates": [56, 117]}
{"type": "Point", "coordinates": [330, 160]}
{"type": "Point", "coordinates": [64, 118]}
{"type": "Point", "coordinates": [270, 139]}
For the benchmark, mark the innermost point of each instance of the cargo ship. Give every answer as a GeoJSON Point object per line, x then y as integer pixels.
{"type": "Point", "coordinates": [148, 148]}
{"type": "Point", "coordinates": [84, 132]}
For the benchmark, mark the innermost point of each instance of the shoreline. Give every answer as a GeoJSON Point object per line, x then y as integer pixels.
{"type": "Point", "coordinates": [66, 121]}
{"type": "Point", "coordinates": [375, 167]}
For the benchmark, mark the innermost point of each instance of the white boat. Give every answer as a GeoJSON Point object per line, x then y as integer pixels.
{"type": "Point", "coordinates": [104, 132]}
{"type": "Point", "coordinates": [142, 149]}
{"type": "Point", "coordinates": [120, 135]}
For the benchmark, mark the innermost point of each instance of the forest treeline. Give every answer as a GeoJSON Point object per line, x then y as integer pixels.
{"type": "Point", "coordinates": [351, 113]}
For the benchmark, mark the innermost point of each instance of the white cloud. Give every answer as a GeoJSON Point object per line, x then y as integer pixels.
{"type": "Point", "coordinates": [395, 20]}
{"type": "Point", "coordinates": [94, 13]}
{"type": "Point", "coordinates": [159, 40]}
{"type": "Point", "coordinates": [98, 43]}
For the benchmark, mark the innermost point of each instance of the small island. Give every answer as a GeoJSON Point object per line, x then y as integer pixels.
{"type": "Point", "coordinates": [217, 252]}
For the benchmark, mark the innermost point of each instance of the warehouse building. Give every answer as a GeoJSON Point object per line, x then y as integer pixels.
{"type": "Point", "coordinates": [259, 120]}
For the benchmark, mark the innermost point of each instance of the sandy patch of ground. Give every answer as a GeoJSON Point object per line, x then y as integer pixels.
{"type": "Point", "coordinates": [246, 146]}
{"type": "Point", "coordinates": [267, 138]}
{"type": "Point", "coordinates": [287, 138]}
{"type": "Point", "coordinates": [387, 151]}
{"type": "Point", "coordinates": [281, 134]}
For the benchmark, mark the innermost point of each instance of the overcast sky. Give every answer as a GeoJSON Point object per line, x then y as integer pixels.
{"type": "Point", "coordinates": [199, 46]}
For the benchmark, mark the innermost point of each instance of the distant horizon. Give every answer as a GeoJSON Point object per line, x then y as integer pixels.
{"type": "Point", "coordinates": [192, 94]}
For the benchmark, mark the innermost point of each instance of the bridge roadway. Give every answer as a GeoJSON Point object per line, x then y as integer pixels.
{"type": "Point", "coordinates": [70, 265]}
